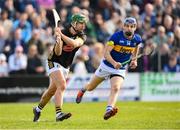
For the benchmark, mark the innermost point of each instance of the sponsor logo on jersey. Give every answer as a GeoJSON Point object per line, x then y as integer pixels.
{"type": "Point", "coordinates": [68, 48]}
{"type": "Point", "coordinates": [123, 49]}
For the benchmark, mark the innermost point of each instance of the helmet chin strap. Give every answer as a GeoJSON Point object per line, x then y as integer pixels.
{"type": "Point", "coordinates": [74, 28]}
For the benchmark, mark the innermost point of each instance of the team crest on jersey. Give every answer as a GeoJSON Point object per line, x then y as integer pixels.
{"type": "Point", "coordinates": [128, 43]}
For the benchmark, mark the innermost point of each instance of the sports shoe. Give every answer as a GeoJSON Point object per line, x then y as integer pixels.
{"type": "Point", "coordinates": [63, 116]}
{"type": "Point", "coordinates": [36, 115]}
{"type": "Point", "coordinates": [110, 113]}
{"type": "Point", "coordinates": [79, 96]}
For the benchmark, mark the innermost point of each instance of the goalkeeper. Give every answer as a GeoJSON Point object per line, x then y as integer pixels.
{"type": "Point", "coordinates": [120, 47]}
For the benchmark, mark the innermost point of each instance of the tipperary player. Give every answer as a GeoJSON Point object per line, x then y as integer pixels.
{"type": "Point", "coordinates": [120, 47]}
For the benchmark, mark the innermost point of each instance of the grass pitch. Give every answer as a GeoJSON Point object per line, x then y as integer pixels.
{"type": "Point", "coordinates": [131, 115]}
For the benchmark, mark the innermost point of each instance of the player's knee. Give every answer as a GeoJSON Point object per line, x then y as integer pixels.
{"type": "Point", "coordinates": [115, 88]}
{"type": "Point", "coordinates": [62, 85]}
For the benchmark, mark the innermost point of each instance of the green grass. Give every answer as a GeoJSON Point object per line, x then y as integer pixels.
{"type": "Point", "coordinates": [140, 115]}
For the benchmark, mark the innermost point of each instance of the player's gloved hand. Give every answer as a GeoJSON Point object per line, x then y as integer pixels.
{"type": "Point", "coordinates": [133, 64]}
{"type": "Point", "coordinates": [117, 65]}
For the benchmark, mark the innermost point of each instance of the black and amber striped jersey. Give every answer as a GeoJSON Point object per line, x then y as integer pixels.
{"type": "Point", "coordinates": [68, 52]}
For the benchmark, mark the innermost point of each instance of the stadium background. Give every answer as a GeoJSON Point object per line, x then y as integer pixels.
{"type": "Point", "coordinates": [26, 30]}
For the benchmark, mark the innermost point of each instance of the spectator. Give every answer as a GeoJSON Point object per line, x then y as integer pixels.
{"type": "Point", "coordinates": [3, 66]}
{"type": "Point", "coordinates": [172, 65]}
{"type": "Point", "coordinates": [17, 61]}
{"type": "Point", "coordinates": [35, 39]}
{"type": "Point", "coordinates": [123, 6]}
{"type": "Point", "coordinates": [30, 11]}
{"type": "Point", "coordinates": [9, 6]}
{"type": "Point", "coordinates": [160, 58]}
{"type": "Point", "coordinates": [46, 36]}
{"type": "Point", "coordinates": [112, 23]}
{"type": "Point", "coordinates": [90, 29]}
{"type": "Point", "coordinates": [168, 23]}
{"type": "Point", "coordinates": [101, 30]}
{"type": "Point", "coordinates": [170, 39]}
{"type": "Point", "coordinates": [158, 6]}
{"type": "Point", "coordinates": [63, 13]}
{"type": "Point", "coordinates": [24, 25]}
{"type": "Point", "coordinates": [44, 20]}
{"type": "Point", "coordinates": [147, 30]}
{"type": "Point", "coordinates": [149, 12]}
{"type": "Point", "coordinates": [177, 37]}
{"type": "Point", "coordinates": [97, 54]}
{"type": "Point", "coordinates": [161, 37]}
{"type": "Point", "coordinates": [2, 39]}
{"type": "Point", "coordinates": [135, 12]}
{"type": "Point", "coordinates": [81, 57]}
{"type": "Point", "coordinates": [34, 64]}
{"type": "Point", "coordinates": [10, 45]}
{"type": "Point", "coordinates": [6, 23]}
{"type": "Point", "coordinates": [158, 20]}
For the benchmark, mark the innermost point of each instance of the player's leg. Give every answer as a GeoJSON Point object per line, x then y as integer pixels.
{"type": "Point", "coordinates": [116, 82]}
{"type": "Point", "coordinates": [94, 82]}
{"type": "Point", "coordinates": [60, 83]}
{"type": "Point", "coordinates": [44, 100]}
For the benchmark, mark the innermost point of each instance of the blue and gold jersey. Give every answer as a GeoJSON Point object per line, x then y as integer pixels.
{"type": "Point", "coordinates": [122, 47]}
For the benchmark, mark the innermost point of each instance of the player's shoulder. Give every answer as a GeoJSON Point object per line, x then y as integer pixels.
{"type": "Point", "coordinates": [137, 37]}
{"type": "Point", "coordinates": [116, 35]}
{"type": "Point", "coordinates": [82, 35]}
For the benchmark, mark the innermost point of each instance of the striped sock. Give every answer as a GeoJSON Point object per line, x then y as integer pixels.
{"type": "Point", "coordinates": [109, 108]}
{"type": "Point", "coordinates": [58, 111]}
{"type": "Point", "coordinates": [39, 107]}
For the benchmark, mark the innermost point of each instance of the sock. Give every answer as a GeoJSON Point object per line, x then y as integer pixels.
{"type": "Point", "coordinates": [39, 107]}
{"type": "Point", "coordinates": [58, 111]}
{"type": "Point", "coordinates": [109, 108]}
{"type": "Point", "coordinates": [83, 90]}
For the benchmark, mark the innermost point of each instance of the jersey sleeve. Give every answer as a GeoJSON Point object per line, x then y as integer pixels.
{"type": "Point", "coordinates": [82, 36]}
{"type": "Point", "coordinates": [112, 40]}
{"type": "Point", "coordinates": [138, 39]}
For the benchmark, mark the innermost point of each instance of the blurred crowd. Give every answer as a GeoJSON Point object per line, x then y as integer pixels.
{"type": "Point", "coordinates": [26, 33]}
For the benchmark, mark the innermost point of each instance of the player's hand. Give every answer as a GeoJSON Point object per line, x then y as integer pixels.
{"type": "Point", "coordinates": [133, 64]}
{"type": "Point", "coordinates": [57, 31]}
{"type": "Point", "coordinates": [117, 65]}
{"type": "Point", "coordinates": [58, 35]}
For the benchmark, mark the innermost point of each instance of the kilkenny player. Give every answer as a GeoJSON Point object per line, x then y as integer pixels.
{"type": "Point", "coordinates": [68, 41]}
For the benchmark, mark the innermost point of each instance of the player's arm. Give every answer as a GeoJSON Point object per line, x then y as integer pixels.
{"type": "Point", "coordinates": [136, 52]}
{"type": "Point", "coordinates": [72, 42]}
{"type": "Point", "coordinates": [133, 63]}
{"type": "Point", "coordinates": [59, 43]}
{"type": "Point", "coordinates": [108, 48]}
